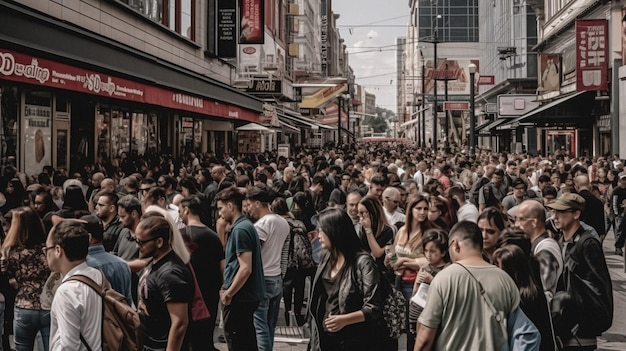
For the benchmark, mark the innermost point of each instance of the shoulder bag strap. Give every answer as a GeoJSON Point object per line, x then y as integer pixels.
{"type": "Point", "coordinates": [92, 284]}
{"type": "Point", "coordinates": [492, 308]}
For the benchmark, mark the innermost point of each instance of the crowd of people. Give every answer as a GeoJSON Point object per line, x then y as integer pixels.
{"type": "Point", "coordinates": [361, 244]}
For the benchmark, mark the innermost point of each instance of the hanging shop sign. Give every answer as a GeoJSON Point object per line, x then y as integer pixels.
{"type": "Point", "coordinates": [37, 138]}
{"type": "Point", "coordinates": [251, 21]}
{"type": "Point", "coordinates": [592, 54]}
{"type": "Point", "coordinates": [226, 29]}
{"type": "Point", "coordinates": [18, 67]}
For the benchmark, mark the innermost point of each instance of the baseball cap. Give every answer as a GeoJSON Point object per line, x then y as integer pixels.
{"type": "Point", "coordinates": [568, 201]}
{"type": "Point", "coordinates": [622, 176]}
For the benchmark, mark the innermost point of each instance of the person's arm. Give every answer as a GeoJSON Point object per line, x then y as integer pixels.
{"type": "Point", "coordinates": [425, 338]}
{"type": "Point", "coordinates": [414, 264]}
{"type": "Point", "coordinates": [180, 320]}
{"type": "Point", "coordinates": [336, 323]}
{"type": "Point", "coordinates": [138, 264]}
{"type": "Point", "coordinates": [68, 321]}
{"type": "Point", "coordinates": [377, 251]}
{"type": "Point", "coordinates": [245, 270]}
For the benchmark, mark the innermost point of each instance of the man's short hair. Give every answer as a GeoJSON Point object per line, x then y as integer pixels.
{"type": "Point", "coordinates": [73, 238]}
{"type": "Point", "coordinates": [232, 195]}
{"type": "Point", "coordinates": [318, 180]}
{"type": "Point", "coordinates": [543, 178]}
{"type": "Point", "coordinates": [255, 193]}
{"type": "Point", "coordinates": [113, 198]}
{"type": "Point", "coordinates": [154, 194]}
{"type": "Point", "coordinates": [456, 190]}
{"type": "Point", "coordinates": [379, 180]}
{"type": "Point", "coordinates": [149, 181]}
{"type": "Point", "coordinates": [549, 190]}
{"type": "Point", "coordinates": [158, 227]}
{"type": "Point", "coordinates": [469, 232]}
{"type": "Point", "coordinates": [499, 172]}
{"type": "Point", "coordinates": [130, 203]}
{"type": "Point", "coordinates": [194, 203]}
{"type": "Point", "coordinates": [94, 227]}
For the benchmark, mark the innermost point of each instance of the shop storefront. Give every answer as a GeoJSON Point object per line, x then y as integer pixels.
{"type": "Point", "coordinates": [70, 97]}
{"type": "Point", "coordinates": [54, 114]}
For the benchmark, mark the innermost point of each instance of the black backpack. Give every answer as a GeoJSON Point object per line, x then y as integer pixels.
{"type": "Point", "coordinates": [300, 254]}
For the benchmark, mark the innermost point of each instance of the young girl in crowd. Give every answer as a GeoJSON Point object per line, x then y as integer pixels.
{"type": "Point", "coordinates": [435, 244]}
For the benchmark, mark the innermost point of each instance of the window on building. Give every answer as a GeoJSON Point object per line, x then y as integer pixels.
{"type": "Point", "coordinates": [177, 15]}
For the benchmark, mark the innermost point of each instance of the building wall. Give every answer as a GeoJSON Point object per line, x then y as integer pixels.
{"type": "Point", "coordinates": [115, 21]}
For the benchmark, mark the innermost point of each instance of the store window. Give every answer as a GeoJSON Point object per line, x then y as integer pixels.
{"type": "Point", "coordinates": [177, 15]}
{"type": "Point", "coordinates": [37, 131]}
{"type": "Point", "coordinates": [10, 107]}
{"type": "Point", "coordinates": [119, 131]}
{"type": "Point", "coordinates": [190, 135]}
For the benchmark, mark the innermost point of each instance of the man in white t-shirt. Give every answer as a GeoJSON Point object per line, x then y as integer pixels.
{"type": "Point", "coordinates": [273, 233]}
{"type": "Point", "coordinates": [466, 210]}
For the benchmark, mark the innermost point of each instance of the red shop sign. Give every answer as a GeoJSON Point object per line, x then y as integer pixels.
{"type": "Point", "coordinates": [592, 54]}
{"type": "Point", "coordinates": [28, 69]}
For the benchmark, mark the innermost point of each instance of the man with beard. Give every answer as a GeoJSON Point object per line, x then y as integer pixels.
{"type": "Point", "coordinates": [165, 287]}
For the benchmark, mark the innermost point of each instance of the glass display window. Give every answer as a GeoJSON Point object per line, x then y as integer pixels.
{"type": "Point", "coordinates": [9, 113]}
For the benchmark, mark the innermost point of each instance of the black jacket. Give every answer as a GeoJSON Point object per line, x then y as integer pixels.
{"type": "Point", "coordinates": [359, 291]}
{"type": "Point", "coordinates": [593, 213]}
{"type": "Point", "coordinates": [584, 294]}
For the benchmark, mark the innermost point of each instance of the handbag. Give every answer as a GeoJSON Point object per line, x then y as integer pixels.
{"type": "Point", "coordinates": [500, 334]}
{"type": "Point", "coordinates": [199, 309]}
{"type": "Point", "coordinates": [394, 312]}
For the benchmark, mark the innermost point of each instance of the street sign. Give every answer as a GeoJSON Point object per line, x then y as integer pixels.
{"type": "Point", "coordinates": [456, 105]}
{"type": "Point", "coordinates": [486, 80]}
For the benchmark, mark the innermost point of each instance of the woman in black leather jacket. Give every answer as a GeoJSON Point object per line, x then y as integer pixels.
{"type": "Point", "coordinates": [346, 302]}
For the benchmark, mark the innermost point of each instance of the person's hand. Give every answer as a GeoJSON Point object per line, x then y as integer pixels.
{"type": "Point", "coordinates": [225, 298]}
{"type": "Point", "coordinates": [334, 323]}
{"type": "Point", "coordinates": [399, 264]}
{"type": "Point", "coordinates": [424, 277]}
{"type": "Point", "coordinates": [366, 222]}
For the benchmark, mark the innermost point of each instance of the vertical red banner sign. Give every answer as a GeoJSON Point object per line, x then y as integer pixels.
{"type": "Point", "coordinates": [592, 54]}
{"type": "Point", "coordinates": [623, 35]}
{"type": "Point", "coordinates": [251, 21]}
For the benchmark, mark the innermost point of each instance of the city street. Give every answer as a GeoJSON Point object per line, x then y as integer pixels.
{"type": "Point", "coordinates": [612, 339]}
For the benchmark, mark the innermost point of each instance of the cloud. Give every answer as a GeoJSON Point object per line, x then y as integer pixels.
{"type": "Point", "coordinates": [372, 34]}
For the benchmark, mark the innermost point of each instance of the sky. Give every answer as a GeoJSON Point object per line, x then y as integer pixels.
{"type": "Point", "coordinates": [370, 29]}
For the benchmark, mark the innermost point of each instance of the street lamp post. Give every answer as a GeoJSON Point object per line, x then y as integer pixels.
{"type": "Point", "coordinates": [472, 131]}
{"type": "Point", "coordinates": [339, 107]}
{"type": "Point", "coordinates": [423, 129]}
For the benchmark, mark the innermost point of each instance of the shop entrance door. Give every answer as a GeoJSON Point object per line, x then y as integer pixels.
{"type": "Point", "coordinates": [561, 140]}
{"type": "Point", "coordinates": [61, 144]}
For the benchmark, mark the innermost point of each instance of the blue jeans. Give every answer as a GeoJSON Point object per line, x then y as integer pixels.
{"type": "Point", "coordinates": [266, 315]}
{"type": "Point", "coordinates": [407, 291]}
{"type": "Point", "coordinates": [26, 324]}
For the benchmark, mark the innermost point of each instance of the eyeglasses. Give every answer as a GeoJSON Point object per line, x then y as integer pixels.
{"type": "Point", "coordinates": [144, 190]}
{"type": "Point", "coordinates": [363, 213]}
{"type": "Point", "coordinates": [45, 249]}
{"type": "Point", "coordinates": [141, 243]}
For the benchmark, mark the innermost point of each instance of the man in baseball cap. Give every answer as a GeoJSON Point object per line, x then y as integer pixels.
{"type": "Point", "coordinates": [590, 282]}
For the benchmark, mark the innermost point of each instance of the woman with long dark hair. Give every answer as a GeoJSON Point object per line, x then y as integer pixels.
{"type": "Point", "coordinates": [27, 268]}
{"type": "Point", "coordinates": [513, 260]}
{"type": "Point", "coordinates": [346, 302]}
{"type": "Point", "coordinates": [15, 194]}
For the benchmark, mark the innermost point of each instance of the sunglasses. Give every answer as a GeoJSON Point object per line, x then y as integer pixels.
{"type": "Point", "coordinates": [141, 243]}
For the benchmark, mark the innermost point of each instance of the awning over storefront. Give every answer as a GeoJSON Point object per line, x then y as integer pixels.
{"type": "Point", "coordinates": [486, 128]}
{"type": "Point", "coordinates": [292, 129]}
{"type": "Point", "coordinates": [566, 110]}
{"type": "Point", "coordinates": [255, 128]}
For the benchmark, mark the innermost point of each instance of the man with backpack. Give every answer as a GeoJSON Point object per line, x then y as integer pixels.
{"type": "Point", "coordinates": [76, 312]}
